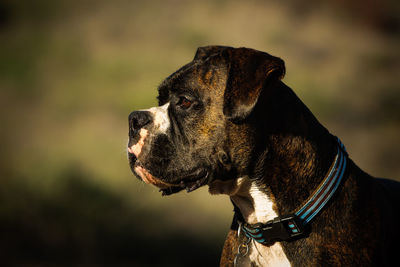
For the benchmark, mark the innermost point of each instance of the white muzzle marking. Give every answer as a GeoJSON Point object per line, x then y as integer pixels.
{"type": "Point", "coordinates": [160, 118]}
{"type": "Point", "coordinates": [161, 124]}
{"type": "Point", "coordinates": [136, 149]}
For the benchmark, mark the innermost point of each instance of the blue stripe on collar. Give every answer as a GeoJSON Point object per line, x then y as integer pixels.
{"type": "Point", "coordinates": [288, 227]}
{"type": "Point", "coordinates": [326, 190]}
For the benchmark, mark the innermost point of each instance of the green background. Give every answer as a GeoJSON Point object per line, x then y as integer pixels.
{"type": "Point", "coordinates": [72, 71]}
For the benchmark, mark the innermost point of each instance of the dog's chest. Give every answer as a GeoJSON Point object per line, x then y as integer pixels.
{"type": "Point", "coordinates": [257, 207]}
{"type": "Point", "coordinates": [261, 255]}
{"type": "Point", "coordinates": [274, 255]}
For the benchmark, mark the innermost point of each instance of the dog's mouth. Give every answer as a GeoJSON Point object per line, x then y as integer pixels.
{"type": "Point", "coordinates": [190, 181]}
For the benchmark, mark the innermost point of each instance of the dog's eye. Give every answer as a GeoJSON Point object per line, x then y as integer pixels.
{"type": "Point", "coordinates": [184, 103]}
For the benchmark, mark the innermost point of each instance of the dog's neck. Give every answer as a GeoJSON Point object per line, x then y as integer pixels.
{"type": "Point", "coordinates": [298, 154]}
{"type": "Point", "coordinates": [289, 169]}
{"type": "Point", "coordinates": [278, 192]}
{"type": "Point", "coordinates": [254, 203]}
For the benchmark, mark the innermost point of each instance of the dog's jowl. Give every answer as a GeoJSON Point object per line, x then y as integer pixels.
{"type": "Point", "coordinates": [227, 120]}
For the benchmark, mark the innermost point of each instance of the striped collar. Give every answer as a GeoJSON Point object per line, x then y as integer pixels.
{"type": "Point", "coordinates": [292, 226]}
{"type": "Point", "coordinates": [327, 188]}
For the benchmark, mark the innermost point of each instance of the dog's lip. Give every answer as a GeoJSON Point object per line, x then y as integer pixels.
{"type": "Point", "coordinates": [148, 178]}
{"type": "Point", "coordinates": [189, 182]}
{"type": "Point", "coordinates": [132, 157]}
{"type": "Point", "coordinates": [130, 150]}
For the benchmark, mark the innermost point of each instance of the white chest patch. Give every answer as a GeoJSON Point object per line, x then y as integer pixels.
{"type": "Point", "coordinates": [256, 207]}
{"type": "Point", "coordinates": [262, 255]}
{"type": "Point", "coordinates": [272, 256]}
{"type": "Point", "coordinates": [262, 206]}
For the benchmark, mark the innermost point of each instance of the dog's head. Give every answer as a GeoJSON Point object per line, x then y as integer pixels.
{"type": "Point", "coordinates": [202, 129]}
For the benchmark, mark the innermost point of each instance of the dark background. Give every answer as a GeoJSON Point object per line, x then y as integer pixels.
{"type": "Point", "coordinates": [71, 72]}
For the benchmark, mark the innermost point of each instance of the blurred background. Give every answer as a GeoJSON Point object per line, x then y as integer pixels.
{"type": "Point", "coordinates": [72, 71]}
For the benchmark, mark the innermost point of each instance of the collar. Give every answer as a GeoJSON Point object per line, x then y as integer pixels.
{"type": "Point", "coordinates": [292, 226]}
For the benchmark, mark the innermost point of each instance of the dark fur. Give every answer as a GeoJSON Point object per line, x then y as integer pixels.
{"type": "Point", "coordinates": [245, 121]}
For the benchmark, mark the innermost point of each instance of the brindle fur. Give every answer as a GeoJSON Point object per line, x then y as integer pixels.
{"type": "Point", "coordinates": [247, 116]}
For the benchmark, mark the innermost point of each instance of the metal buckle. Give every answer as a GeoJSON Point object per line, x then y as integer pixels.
{"type": "Point", "coordinates": [279, 229]}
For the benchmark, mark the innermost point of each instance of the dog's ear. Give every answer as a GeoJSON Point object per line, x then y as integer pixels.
{"type": "Point", "coordinates": [249, 71]}
{"type": "Point", "coordinates": [205, 52]}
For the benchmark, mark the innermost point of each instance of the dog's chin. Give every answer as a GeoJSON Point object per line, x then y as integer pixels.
{"type": "Point", "coordinates": [148, 178]}
{"type": "Point", "coordinates": [189, 182]}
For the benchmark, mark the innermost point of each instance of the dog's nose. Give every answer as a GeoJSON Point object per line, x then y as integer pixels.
{"type": "Point", "coordinates": [137, 120]}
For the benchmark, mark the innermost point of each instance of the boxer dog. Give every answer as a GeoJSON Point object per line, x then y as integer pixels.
{"type": "Point", "coordinates": [226, 120]}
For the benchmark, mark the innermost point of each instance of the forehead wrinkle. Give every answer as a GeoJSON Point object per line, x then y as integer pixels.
{"type": "Point", "coordinates": [174, 77]}
{"type": "Point", "coordinates": [174, 82]}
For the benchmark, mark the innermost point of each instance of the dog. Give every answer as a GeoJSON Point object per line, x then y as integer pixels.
{"type": "Point", "coordinates": [227, 120]}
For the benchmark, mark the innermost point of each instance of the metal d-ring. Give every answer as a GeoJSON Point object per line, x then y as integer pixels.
{"type": "Point", "coordinates": [243, 248]}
